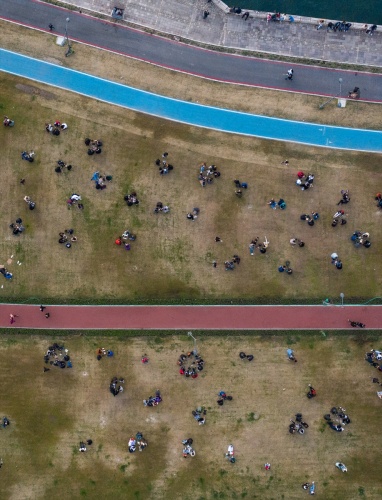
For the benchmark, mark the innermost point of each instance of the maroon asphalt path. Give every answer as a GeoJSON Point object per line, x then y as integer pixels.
{"type": "Point", "coordinates": [191, 317]}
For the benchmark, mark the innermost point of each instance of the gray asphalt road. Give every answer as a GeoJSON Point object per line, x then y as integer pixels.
{"type": "Point", "coordinates": [171, 54]}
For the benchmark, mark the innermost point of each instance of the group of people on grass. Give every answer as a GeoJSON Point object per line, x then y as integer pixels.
{"type": "Point", "coordinates": [163, 166]}
{"type": "Point", "coordinates": [190, 364]}
{"type": "Point", "coordinates": [262, 246]}
{"type": "Point", "coordinates": [67, 237]}
{"type": "Point", "coordinates": [304, 181]}
{"type": "Point", "coordinates": [57, 355]}
{"type": "Point", "coordinates": [94, 146]}
{"type": "Point", "coordinates": [137, 442]}
{"type": "Point", "coordinates": [337, 419]}
{"type": "Point", "coordinates": [116, 385]}
{"type": "Point", "coordinates": [56, 128]}
{"type": "Point", "coordinates": [125, 238]}
{"type": "Point", "coordinates": [207, 175]}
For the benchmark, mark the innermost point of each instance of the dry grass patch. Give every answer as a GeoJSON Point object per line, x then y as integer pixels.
{"type": "Point", "coordinates": [171, 258]}
{"type": "Point", "coordinates": [171, 83]}
{"type": "Point", "coordinates": [51, 412]}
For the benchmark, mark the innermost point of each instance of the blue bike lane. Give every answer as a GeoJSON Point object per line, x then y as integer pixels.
{"type": "Point", "coordinates": [223, 120]}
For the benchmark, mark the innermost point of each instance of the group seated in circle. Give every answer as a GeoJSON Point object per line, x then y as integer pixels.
{"type": "Point", "coordinates": [56, 128]}
{"type": "Point", "coordinates": [139, 441]}
{"type": "Point", "coordinates": [131, 199]}
{"type": "Point", "coordinates": [94, 146]}
{"type": "Point", "coordinates": [190, 364]}
{"type": "Point", "coordinates": [61, 165]}
{"type": "Point", "coordinates": [304, 181]}
{"type": "Point", "coordinates": [57, 355]}
{"type": "Point", "coordinates": [262, 246]}
{"type": "Point", "coordinates": [207, 175]}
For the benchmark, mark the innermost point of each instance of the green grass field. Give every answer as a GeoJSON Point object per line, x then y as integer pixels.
{"type": "Point", "coordinates": [52, 412]}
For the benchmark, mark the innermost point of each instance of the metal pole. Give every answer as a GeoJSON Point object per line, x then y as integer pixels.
{"type": "Point", "coordinates": [66, 30]}
{"type": "Point", "coordinates": [195, 350]}
{"type": "Point", "coordinates": [69, 51]}
{"type": "Point", "coordinates": [321, 106]}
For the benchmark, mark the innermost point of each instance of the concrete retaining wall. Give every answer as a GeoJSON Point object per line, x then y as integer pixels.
{"type": "Point", "coordinates": [285, 17]}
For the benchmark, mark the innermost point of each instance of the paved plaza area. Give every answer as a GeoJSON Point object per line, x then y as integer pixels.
{"type": "Point", "coordinates": [184, 18]}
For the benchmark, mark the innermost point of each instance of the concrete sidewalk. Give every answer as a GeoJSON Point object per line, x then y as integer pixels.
{"type": "Point", "coordinates": [184, 18]}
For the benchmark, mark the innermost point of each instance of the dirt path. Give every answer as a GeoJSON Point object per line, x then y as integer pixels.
{"type": "Point", "coordinates": [190, 317]}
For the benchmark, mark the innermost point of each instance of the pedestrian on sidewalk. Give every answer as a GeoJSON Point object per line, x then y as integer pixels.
{"type": "Point", "coordinates": [12, 318]}
{"type": "Point", "coordinates": [51, 27]}
{"type": "Point", "coordinates": [47, 315]}
{"type": "Point", "coordinates": [320, 24]}
{"type": "Point", "coordinates": [245, 16]}
{"type": "Point", "coordinates": [42, 308]}
{"type": "Point", "coordinates": [205, 14]}
{"type": "Point", "coordinates": [289, 75]}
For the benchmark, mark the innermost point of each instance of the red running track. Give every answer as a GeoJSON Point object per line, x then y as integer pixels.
{"type": "Point", "coordinates": [190, 317]}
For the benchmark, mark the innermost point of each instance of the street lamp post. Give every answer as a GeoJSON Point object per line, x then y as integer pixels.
{"type": "Point", "coordinates": [69, 51]}
{"type": "Point", "coordinates": [66, 30]}
{"type": "Point", "coordinates": [342, 296]}
{"type": "Point", "coordinates": [195, 350]}
{"type": "Point", "coordinates": [334, 96]}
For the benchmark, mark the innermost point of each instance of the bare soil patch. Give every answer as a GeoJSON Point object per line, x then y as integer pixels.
{"type": "Point", "coordinates": [29, 89]}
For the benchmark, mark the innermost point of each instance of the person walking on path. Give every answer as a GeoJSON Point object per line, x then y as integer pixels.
{"type": "Point", "coordinates": [289, 75]}
{"type": "Point", "coordinates": [42, 308]}
{"type": "Point", "coordinates": [356, 324]}
{"type": "Point", "coordinates": [12, 318]}
{"type": "Point", "coordinates": [47, 315]}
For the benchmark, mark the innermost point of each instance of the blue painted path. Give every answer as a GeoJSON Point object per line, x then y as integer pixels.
{"type": "Point", "coordinates": [223, 120]}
